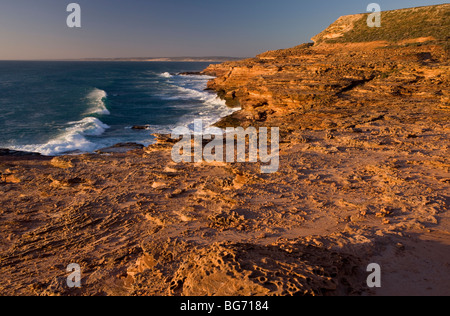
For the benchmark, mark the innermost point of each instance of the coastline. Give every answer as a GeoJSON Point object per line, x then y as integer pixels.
{"type": "Point", "coordinates": [364, 178]}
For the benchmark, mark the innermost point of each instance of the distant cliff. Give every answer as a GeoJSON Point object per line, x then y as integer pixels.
{"type": "Point", "coordinates": [211, 59]}
{"type": "Point", "coordinates": [432, 22]}
{"type": "Point", "coordinates": [350, 70]}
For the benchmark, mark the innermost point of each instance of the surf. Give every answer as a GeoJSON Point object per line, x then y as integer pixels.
{"type": "Point", "coordinates": [72, 139]}
{"type": "Point", "coordinates": [97, 101]}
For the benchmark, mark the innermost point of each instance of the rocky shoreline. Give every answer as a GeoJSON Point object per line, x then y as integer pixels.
{"type": "Point", "coordinates": [364, 178]}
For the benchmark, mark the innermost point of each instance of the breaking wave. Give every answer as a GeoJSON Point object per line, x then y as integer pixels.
{"type": "Point", "coordinates": [72, 139]}
{"type": "Point", "coordinates": [205, 105]}
{"type": "Point", "coordinates": [97, 101]}
{"type": "Point", "coordinates": [166, 75]}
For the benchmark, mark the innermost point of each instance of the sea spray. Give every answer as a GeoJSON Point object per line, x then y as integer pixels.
{"type": "Point", "coordinates": [71, 139]}
{"type": "Point", "coordinates": [165, 75]}
{"type": "Point", "coordinates": [97, 99]}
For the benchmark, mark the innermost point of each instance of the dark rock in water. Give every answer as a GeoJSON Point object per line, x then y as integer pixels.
{"type": "Point", "coordinates": [120, 148]}
{"type": "Point", "coordinates": [8, 152]}
{"type": "Point", "coordinates": [141, 127]}
{"type": "Point", "coordinates": [191, 73]}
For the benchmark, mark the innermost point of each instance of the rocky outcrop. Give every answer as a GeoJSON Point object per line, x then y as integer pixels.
{"type": "Point", "coordinates": [339, 28]}
{"type": "Point", "coordinates": [228, 269]}
{"type": "Point", "coordinates": [341, 74]}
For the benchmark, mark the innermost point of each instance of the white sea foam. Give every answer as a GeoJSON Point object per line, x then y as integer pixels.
{"type": "Point", "coordinates": [199, 77]}
{"type": "Point", "coordinates": [205, 105]}
{"type": "Point", "coordinates": [96, 99]}
{"type": "Point", "coordinates": [166, 75]}
{"type": "Point", "coordinates": [71, 139]}
{"type": "Point", "coordinates": [209, 99]}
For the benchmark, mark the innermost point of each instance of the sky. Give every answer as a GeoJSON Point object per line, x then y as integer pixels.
{"type": "Point", "coordinates": [37, 29]}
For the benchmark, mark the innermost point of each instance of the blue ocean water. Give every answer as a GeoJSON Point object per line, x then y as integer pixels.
{"type": "Point", "coordinates": [71, 107]}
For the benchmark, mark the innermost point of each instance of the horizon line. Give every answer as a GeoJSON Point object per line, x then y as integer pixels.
{"type": "Point", "coordinates": [206, 58]}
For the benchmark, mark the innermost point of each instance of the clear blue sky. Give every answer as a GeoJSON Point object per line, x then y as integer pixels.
{"type": "Point", "coordinates": [36, 29]}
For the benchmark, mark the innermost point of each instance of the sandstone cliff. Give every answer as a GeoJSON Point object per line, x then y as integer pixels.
{"type": "Point", "coordinates": [351, 67]}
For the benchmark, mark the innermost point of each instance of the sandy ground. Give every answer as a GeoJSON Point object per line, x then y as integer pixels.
{"type": "Point", "coordinates": [139, 224]}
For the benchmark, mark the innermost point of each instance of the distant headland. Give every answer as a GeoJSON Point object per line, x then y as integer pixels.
{"type": "Point", "coordinates": [209, 59]}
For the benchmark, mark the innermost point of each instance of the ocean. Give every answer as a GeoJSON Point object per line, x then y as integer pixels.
{"type": "Point", "coordinates": [56, 108]}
